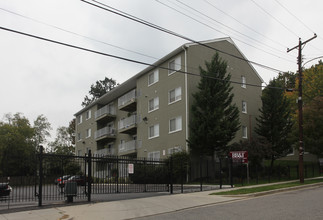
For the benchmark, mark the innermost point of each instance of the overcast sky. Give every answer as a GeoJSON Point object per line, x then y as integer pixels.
{"type": "Point", "coordinates": [39, 77]}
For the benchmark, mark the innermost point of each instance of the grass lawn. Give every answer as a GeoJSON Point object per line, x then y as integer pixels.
{"type": "Point", "coordinates": [267, 188]}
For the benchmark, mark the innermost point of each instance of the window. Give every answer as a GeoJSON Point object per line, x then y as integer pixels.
{"type": "Point", "coordinates": [79, 153]}
{"type": "Point", "coordinates": [79, 137]}
{"type": "Point", "coordinates": [174, 95]}
{"type": "Point", "coordinates": [88, 133]}
{"type": "Point", "coordinates": [153, 104]}
{"type": "Point", "coordinates": [175, 124]}
{"type": "Point", "coordinates": [79, 119]}
{"type": "Point", "coordinates": [153, 77]}
{"type": "Point", "coordinates": [244, 132]}
{"type": "Point", "coordinates": [244, 107]}
{"type": "Point", "coordinates": [153, 131]}
{"type": "Point", "coordinates": [174, 65]}
{"type": "Point", "coordinates": [243, 82]}
{"type": "Point", "coordinates": [174, 150]}
{"type": "Point", "coordinates": [88, 115]}
{"type": "Point", "coordinates": [155, 155]}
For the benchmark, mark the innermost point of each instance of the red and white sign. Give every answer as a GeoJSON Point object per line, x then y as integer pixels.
{"type": "Point", "coordinates": [239, 156]}
{"type": "Point", "coordinates": [131, 169]}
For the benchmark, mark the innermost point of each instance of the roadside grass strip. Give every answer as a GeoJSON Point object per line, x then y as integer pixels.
{"type": "Point", "coordinates": [258, 189]}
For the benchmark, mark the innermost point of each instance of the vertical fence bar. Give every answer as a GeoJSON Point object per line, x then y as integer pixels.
{"type": "Point", "coordinates": [201, 175]}
{"type": "Point", "coordinates": [231, 172]}
{"type": "Point", "coordinates": [40, 188]}
{"type": "Point", "coordinates": [171, 174]}
{"type": "Point", "coordinates": [182, 176]}
{"type": "Point", "coordinates": [89, 186]}
{"type": "Point", "coordinates": [220, 164]}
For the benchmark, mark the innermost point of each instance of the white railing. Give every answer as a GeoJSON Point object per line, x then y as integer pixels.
{"type": "Point", "coordinates": [125, 99]}
{"type": "Point", "coordinates": [105, 151]}
{"type": "Point", "coordinates": [107, 109]}
{"type": "Point", "coordinates": [127, 122]}
{"type": "Point", "coordinates": [129, 146]}
{"type": "Point", "coordinates": [104, 131]}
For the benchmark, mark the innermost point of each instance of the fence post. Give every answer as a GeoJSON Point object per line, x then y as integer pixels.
{"type": "Point", "coordinates": [145, 175]}
{"type": "Point", "coordinates": [231, 172]}
{"type": "Point", "coordinates": [89, 186]}
{"type": "Point", "coordinates": [40, 189]}
{"type": "Point", "coordinates": [171, 174]}
{"type": "Point", "coordinates": [182, 179]}
{"type": "Point", "coordinates": [201, 175]}
{"type": "Point", "coordinates": [220, 173]}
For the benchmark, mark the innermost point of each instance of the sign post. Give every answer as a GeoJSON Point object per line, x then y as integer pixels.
{"type": "Point", "coordinates": [240, 156]}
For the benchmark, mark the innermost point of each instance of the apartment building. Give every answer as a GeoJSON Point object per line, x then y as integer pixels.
{"type": "Point", "coordinates": [148, 115]}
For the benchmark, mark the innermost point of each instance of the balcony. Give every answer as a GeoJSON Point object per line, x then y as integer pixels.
{"type": "Point", "coordinates": [128, 102]}
{"type": "Point", "coordinates": [106, 113]}
{"type": "Point", "coordinates": [128, 125]}
{"type": "Point", "coordinates": [105, 152]}
{"type": "Point", "coordinates": [129, 147]}
{"type": "Point", "coordinates": [106, 133]}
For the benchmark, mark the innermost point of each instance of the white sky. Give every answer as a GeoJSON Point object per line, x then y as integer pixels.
{"type": "Point", "coordinates": [38, 77]}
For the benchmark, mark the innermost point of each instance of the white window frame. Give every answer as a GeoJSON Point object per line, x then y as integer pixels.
{"type": "Point", "coordinates": [244, 107]}
{"type": "Point", "coordinates": [88, 133]}
{"type": "Point", "coordinates": [79, 119]}
{"type": "Point", "coordinates": [88, 114]}
{"type": "Point", "coordinates": [156, 131]}
{"type": "Point", "coordinates": [178, 124]}
{"type": "Point", "coordinates": [79, 136]}
{"type": "Point", "coordinates": [244, 132]}
{"type": "Point", "coordinates": [243, 82]}
{"type": "Point", "coordinates": [155, 155]}
{"type": "Point", "coordinates": [177, 94]}
{"type": "Point", "coordinates": [174, 65]}
{"type": "Point", "coordinates": [155, 104]}
{"type": "Point", "coordinates": [155, 75]}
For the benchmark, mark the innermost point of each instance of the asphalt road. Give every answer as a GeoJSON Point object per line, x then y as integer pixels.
{"type": "Point", "coordinates": [298, 204]}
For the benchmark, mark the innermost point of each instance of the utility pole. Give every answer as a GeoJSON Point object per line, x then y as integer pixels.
{"type": "Point", "coordinates": [300, 107]}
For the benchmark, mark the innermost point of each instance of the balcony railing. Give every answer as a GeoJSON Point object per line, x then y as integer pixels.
{"type": "Point", "coordinates": [129, 146]}
{"type": "Point", "coordinates": [127, 102]}
{"type": "Point", "coordinates": [106, 110]}
{"type": "Point", "coordinates": [106, 131]}
{"type": "Point", "coordinates": [127, 122]}
{"type": "Point", "coordinates": [105, 151]}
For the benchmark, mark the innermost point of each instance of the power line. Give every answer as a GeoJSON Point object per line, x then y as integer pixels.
{"type": "Point", "coordinates": [127, 59]}
{"type": "Point", "coordinates": [274, 18]}
{"type": "Point", "coordinates": [141, 21]}
{"type": "Point", "coordinates": [226, 27]}
{"type": "Point", "coordinates": [74, 33]}
{"type": "Point", "coordinates": [250, 28]}
{"type": "Point", "coordinates": [294, 16]}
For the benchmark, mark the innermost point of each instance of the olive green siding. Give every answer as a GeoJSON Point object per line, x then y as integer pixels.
{"type": "Point", "coordinates": [191, 57]}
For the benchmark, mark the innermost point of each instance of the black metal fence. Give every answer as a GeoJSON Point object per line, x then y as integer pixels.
{"type": "Point", "coordinates": [98, 176]}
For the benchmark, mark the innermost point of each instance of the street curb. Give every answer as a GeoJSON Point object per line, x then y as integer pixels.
{"type": "Point", "coordinates": [275, 190]}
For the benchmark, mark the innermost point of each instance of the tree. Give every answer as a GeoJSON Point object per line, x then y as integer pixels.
{"type": "Point", "coordinates": [99, 89]}
{"type": "Point", "coordinates": [275, 121]}
{"type": "Point", "coordinates": [16, 146]}
{"type": "Point", "coordinates": [215, 120]}
{"type": "Point", "coordinates": [63, 143]}
{"type": "Point", "coordinates": [41, 130]}
{"type": "Point", "coordinates": [312, 109]}
{"type": "Point", "coordinates": [258, 149]}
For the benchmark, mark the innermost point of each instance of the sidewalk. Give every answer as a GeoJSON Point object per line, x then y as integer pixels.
{"type": "Point", "coordinates": [126, 209]}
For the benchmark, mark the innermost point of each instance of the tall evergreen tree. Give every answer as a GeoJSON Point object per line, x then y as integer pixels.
{"type": "Point", "coordinates": [215, 120]}
{"type": "Point", "coordinates": [275, 121]}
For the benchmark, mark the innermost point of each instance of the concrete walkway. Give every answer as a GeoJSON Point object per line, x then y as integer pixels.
{"type": "Point", "coordinates": [126, 209]}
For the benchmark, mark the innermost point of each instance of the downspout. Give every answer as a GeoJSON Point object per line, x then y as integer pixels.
{"type": "Point", "coordinates": [186, 98]}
